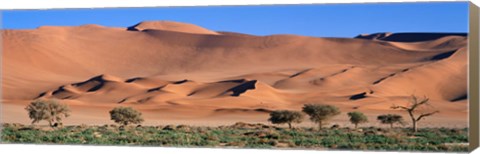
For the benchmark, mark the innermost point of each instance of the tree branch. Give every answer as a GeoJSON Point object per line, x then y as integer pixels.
{"type": "Point", "coordinates": [426, 114]}
{"type": "Point", "coordinates": [415, 102]}
{"type": "Point", "coordinates": [397, 106]}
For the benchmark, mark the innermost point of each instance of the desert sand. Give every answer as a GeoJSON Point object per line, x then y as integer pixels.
{"type": "Point", "coordinates": [179, 73]}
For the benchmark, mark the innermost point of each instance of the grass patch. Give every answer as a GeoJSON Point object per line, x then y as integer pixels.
{"type": "Point", "coordinates": [245, 136]}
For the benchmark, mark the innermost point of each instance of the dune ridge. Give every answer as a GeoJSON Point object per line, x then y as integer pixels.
{"type": "Point", "coordinates": [171, 26]}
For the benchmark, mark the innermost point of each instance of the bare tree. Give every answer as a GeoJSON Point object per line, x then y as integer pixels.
{"type": "Point", "coordinates": [413, 107]}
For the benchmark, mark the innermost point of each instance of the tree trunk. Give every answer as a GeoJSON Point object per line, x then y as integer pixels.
{"type": "Point", "coordinates": [414, 122]}
{"type": "Point", "coordinates": [50, 123]}
{"type": "Point", "coordinates": [320, 125]}
{"type": "Point", "coordinates": [356, 125]}
{"type": "Point", "coordinates": [414, 126]}
{"type": "Point", "coordinates": [290, 125]}
{"type": "Point", "coordinates": [391, 125]}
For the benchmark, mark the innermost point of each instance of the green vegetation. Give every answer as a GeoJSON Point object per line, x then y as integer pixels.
{"type": "Point", "coordinates": [126, 115]}
{"type": "Point", "coordinates": [357, 118]}
{"type": "Point", "coordinates": [320, 113]}
{"type": "Point", "coordinates": [243, 135]}
{"type": "Point", "coordinates": [286, 116]}
{"type": "Point", "coordinates": [48, 110]}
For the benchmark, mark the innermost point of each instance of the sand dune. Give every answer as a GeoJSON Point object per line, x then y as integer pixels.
{"type": "Point", "coordinates": [171, 26]}
{"type": "Point", "coordinates": [184, 73]}
{"type": "Point", "coordinates": [408, 37]}
{"type": "Point", "coordinates": [448, 84]}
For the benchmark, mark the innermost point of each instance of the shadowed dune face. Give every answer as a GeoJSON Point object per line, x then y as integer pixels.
{"type": "Point", "coordinates": [408, 37]}
{"type": "Point", "coordinates": [175, 71]}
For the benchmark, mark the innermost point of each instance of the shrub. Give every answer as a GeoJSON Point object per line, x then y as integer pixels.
{"type": "Point", "coordinates": [319, 113]}
{"type": "Point", "coordinates": [357, 118]}
{"type": "Point", "coordinates": [286, 116]}
{"type": "Point", "coordinates": [390, 119]}
{"type": "Point", "coordinates": [48, 110]}
{"type": "Point", "coordinates": [125, 116]}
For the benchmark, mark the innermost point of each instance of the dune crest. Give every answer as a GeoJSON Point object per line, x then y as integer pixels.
{"type": "Point", "coordinates": [171, 26]}
{"type": "Point", "coordinates": [407, 37]}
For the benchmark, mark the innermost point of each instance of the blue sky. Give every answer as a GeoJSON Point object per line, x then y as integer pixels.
{"type": "Point", "coordinates": [321, 20]}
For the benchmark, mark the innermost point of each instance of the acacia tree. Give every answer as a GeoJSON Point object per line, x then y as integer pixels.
{"type": "Point", "coordinates": [48, 110]}
{"type": "Point", "coordinates": [412, 108]}
{"type": "Point", "coordinates": [286, 116]}
{"type": "Point", "coordinates": [319, 113]}
{"type": "Point", "coordinates": [390, 119]}
{"type": "Point", "coordinates": [125, 116]}
{"type": "Point", "coordinates": [357, 118]}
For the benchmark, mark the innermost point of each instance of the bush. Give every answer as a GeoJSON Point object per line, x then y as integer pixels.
{"type": "Point", "coordinates": [48, 110]}
{"type": "Point", "coordinates": [357, 118]}
{"type": "Point", "coordinates": [286, 116]}
{"type": "Point", "coordinates": [125, 116]}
